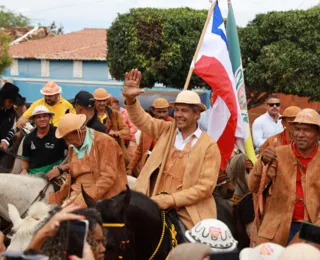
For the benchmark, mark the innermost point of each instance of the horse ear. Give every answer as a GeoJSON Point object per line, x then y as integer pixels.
{"type": "Point", "coordinates": [123, 203]}
{"type": "Point", "coordinates": [91, 203]}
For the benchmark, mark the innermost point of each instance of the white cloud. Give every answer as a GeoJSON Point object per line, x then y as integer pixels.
{"type": "Point", "coordinates": [78, 14]}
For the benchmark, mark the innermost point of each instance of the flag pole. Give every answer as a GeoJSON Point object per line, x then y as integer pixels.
{"type": "Point", "coordinates": [186, 85]}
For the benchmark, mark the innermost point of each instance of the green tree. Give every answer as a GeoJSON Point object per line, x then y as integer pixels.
{"type": "Point", "coordinates": [8, 18]}
{"type": "Point", "coordinates": [5, 59]}
{"type": "Point", "coordinates": [281, 53]}
{"type": "Point", "coordinates": [160, 42]}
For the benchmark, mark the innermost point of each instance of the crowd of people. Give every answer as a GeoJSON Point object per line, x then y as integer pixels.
{"type": "Point", "coordinates": [96, 144]}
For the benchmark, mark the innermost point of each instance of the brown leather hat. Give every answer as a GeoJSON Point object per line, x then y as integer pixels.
{"type": "Point", "coordinates": [307, 116]}
{"type": "Point", "coordinates": [291, 111]}
{"type": "Point", "coordinates": [160, 103]}
{"type": "Point", "coordinates": [101, 94]}
{"type": "Point", "coordinates": [69, 123]}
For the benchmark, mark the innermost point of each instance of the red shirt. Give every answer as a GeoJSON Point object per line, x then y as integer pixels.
{"type": "Point", "coordinates": [298, 213]}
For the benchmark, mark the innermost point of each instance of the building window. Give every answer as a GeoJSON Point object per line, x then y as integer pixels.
{"type": "Point", "coordinates": [45, 68]}
{"type": "Point", "coordinates": [14, 69]}
{"type": "Point", "coordinates": [77, 69]}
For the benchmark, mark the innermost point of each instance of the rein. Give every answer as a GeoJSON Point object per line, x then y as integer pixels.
{"type": "Point", "coordinates": [12, 154]}
{"type": "Point", "coordinates": [41, 195]}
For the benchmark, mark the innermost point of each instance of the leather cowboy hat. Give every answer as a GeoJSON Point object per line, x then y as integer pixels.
{"type": "Point", "coordinates": [160, 103]}
{"type": "Point", "coordinates": [291, 111]}
{"type": "Point", "coordinates": [10, 91]}
{"type": "Point", "coordinates": [307, 116]}
{"type": "Point", "coordinates": [101, 94]}
{"type": "Point", "coordinates": [69, 123]}
{"type": "Point", "coordinates": [189, 97]}
{"type": "Point", "coordinates": [50, 89]}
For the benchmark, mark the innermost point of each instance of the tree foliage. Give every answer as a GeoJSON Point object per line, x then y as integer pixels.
{"type": "Point", "coordinates": [8, 18]}
{"type": "Point", "coordinates": [160, 42]}
{"type": "Point", "coordinates": [5, 59]}
{"type": "Point", "coordinates": [281, 53]}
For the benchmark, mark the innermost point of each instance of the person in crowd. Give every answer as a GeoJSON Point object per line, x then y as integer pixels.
{"type": "Point", "coordinates": [84, 104]}
{"type": "Point", "coordinates": [160, 110]}
{"type": "Point", "coordinates": [190, 251]}
{"type": "Point", "coordinates": [205, 115]}
{"type": "Point", "coordinates": [185, 162]}
{"type": "Point", "coordinates": [42, 151]}
{"type": "Point", "coordinates": [112, 119]}
{"type": "Point", "coordinates": [285, 137]}
{"type": "Point", "coordinates": [267, 251]}
{"type": "Point", "coordinates": [52, 100]}
{"type": "Point", "coordinates": [9, 96]}
{"type": "Point", "coordinates": [54, 247]}
{"type": "Point", "coordinates": [95, 160]}
{"type": "Point", "coordinates": [300, 251]}
{"type": "Point", "coordinates": [267, 124]}
{"type": "Point", "coordinates": [130, 141]}
{"type": "Point", "coordinates": [296, 186]}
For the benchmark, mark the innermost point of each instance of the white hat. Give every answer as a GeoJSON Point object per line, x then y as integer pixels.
{"type": "Point", "coordinates": [300, 251]}
{"type": "Point", "coordinates": [189, 97]}
{"type": "Point", "coordinates": [39, 110]}
{"type": "Point", "coordinates": [266, 251]}
{"type": "Point", "coordinates": [213, 233]}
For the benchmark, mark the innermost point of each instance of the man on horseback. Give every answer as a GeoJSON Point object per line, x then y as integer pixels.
{"type": "Point", "coordinates": [185, 161]}
{"type": "Point", "coordinates": [285, 137]}
{"type": "Point", "coordinates": [42, 151]}
{"type": "Point", "coordinates": [160, 110]}
{"type": "Point", "coordinates": [296, 184]}
{"type": "Point", "coordinates": [95, 160]}
{"type": "Point", "coordinates": [112, 120]}
{"type": "Point", "coordinates": [52, 100]}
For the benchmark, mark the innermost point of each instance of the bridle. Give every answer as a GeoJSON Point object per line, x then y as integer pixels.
{"type": "Point", "coordinates": [125, 242]}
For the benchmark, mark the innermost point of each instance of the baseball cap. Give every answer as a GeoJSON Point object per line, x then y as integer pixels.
{"type": "Point", "coordinates": [84, 98]}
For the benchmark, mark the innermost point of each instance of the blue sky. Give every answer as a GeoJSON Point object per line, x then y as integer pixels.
{"type": "Point", "coordinates": [78, 14]}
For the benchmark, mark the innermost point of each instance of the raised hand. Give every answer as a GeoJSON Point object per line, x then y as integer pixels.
{"type": "Point", "coordinates": [131, 88]}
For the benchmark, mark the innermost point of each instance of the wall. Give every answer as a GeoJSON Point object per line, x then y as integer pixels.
{"type": "Point", "coordinates": [286, 101]}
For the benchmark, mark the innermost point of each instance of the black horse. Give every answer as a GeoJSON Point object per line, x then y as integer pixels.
{"type": "Point", "coordinates": [134, 227]}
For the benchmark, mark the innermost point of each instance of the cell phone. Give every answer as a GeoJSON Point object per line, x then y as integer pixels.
{"type": "Point", "coordinates": [77, 237]}
{"type": "Point", "coordinates": [310, 232]}
{"type": "Point", "coordinates": [225, 256]}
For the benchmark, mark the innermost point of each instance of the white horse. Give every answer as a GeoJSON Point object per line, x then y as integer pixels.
{"type": "Point", "coordinates": [20, 191]}
{"type": "Point", "coordinates": [25, 228]}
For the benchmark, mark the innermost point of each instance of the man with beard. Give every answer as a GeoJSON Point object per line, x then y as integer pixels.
{"type": "Point", "coordinates": [267, 124]}
{"type": "Point", "coordinates": [160, 110]}
{"type": "Point", "coordinates": [52, 100]}
{"type": "Point", "coordinates": [42, 151]}
{"type": "Point", "coordinates": [185, 162]}
{"type": "Point", "coordinates": [296, 183]}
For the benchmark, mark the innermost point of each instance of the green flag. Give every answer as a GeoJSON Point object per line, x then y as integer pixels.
{"type": "Point", "coordinates": [235, 57]}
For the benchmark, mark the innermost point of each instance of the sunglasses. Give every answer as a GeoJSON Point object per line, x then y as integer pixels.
{"type": "Point", "coordinates": [273, 104]}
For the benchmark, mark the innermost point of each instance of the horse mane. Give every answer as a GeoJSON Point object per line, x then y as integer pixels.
{"type": "Point", "coordinates": [236, 169]}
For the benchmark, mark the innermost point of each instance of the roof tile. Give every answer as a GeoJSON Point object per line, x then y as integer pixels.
{"type": "Point", "coordinates": [87, 44]}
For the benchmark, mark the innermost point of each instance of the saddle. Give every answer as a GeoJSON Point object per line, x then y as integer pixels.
{"type": "Point", "coordinates": [176, 228]}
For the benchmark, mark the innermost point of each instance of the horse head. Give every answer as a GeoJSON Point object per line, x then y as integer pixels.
{"type": "Point", "coordinates": [225, 188]}
{"type": "Point", "coordinates": [133, 226]}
